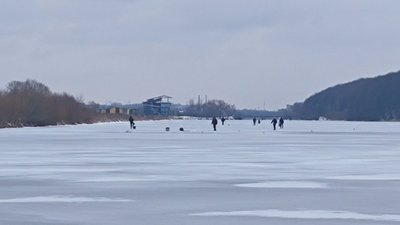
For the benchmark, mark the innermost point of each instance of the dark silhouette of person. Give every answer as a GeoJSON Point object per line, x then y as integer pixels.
{"type": "Point", "coordinates": [131, 121]}
{"type": "Point", "coordinates": [223, 120]}
{"type": "Point", "coordinates": [259, 120]}
{"type": "Point", "coordinates": [281, 122]}
{"type": "Point", "coordinates": [214, 122]}
{"type": "Point", "coordinates": [274, 122]}
{"type": "Point", "coordinates": [254, 121]}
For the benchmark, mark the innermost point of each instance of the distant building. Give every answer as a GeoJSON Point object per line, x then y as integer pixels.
{"type": "Point", "coordinates": [116, 110]}
{"type": "Point", "coordinates": [128, 111]}
{"type": "Point", "coordinates": [157, 106]}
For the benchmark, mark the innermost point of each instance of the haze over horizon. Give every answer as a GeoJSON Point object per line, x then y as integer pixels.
{"type": "Point", "coordinates": [244, 52]}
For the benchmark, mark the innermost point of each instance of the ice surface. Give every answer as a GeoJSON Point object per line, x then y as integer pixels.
{"type": "Point", "coordinates": [49, 199]}
{"type": "Point", "coordinates": [311, 172]}
{"type": "Point", "coordinates": [284, 184]}
{"type": "Point", "coordinates": [306, 214]}
{"type": "Point", "coordinates": [372, 177]}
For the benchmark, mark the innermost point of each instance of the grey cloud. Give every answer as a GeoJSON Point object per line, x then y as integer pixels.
{"type": "Point", "coordinates": [246, 52]}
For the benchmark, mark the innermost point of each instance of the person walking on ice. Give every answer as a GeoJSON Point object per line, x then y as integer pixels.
{"type": "Point", "coordinates": [274, 122]}
{"type": "Point", "coordinates": [214, 122]}
{"type": "Point", "coordinates": [223, 120]}
{"type": "Point", "coordinates": [281, 122]}
{"type": "Point", "coordinates": [131, 121]}
{"type": "Point", "coordinates": [254, 121]}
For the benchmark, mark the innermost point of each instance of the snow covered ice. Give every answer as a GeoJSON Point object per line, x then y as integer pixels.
{"type": "Point", "coordinates": [311, 172]}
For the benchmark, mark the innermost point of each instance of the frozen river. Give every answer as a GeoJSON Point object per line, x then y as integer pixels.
{"type": "Point", "coordinates": [321, 172]}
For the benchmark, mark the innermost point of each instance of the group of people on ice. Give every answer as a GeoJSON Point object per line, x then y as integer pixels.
{"type": "Point", "coordinates": [274, 121]}
{"type": "Point", "coordinates": [214, 122]}
{"type": "Point", "coordinates": [255, 121]}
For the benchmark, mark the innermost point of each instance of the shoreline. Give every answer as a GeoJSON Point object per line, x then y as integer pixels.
{"type": "Point", "coordinates": [106, 119]}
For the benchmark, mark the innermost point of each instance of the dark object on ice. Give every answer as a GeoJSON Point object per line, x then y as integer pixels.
{"type": "Point", "coordinates": [259, 120]}
{"type": "Point", "coordinates": [254, 121]}
{"type": "Point", "coordinates": [223, 120]}
{"type": "Point", "coordinates": [167, 129]}
{"type": "Point", "coordinates": [214, 122]}
{"type": "Point", "coordinates": [281, 122]}
{"type": "Point", "coordinates": [181, 129]}
{"type": "Point", "coordinates": [274, 122]}
{"type": "Point", "coordinates": [131, 121]}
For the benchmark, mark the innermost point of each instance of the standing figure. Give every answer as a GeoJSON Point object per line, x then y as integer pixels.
{"type": "Point", "coordinates": [223, 120]}
{"type": "Point", "coordinates": [131, 121]}
{"type": "Point", "coordinates": [259, 120]}
{"type": "Point", "coordinates": [214, 122]}
{"type": "Point", "coordinates": [254, 121]}
{"type": "Point", "coordinates": [281, 122]}
{"type": "Point", "coordinates": [274, 122]}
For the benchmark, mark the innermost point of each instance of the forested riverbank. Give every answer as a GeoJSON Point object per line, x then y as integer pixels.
{"type": "Point", "coordinates": [30, 103]}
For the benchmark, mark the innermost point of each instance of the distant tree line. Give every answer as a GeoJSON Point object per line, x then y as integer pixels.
{"type": "Point", "coordinates": [218, 108]}
{"type": "Point", "coordinates": [250, 113]}
{"type": "Point", "coordinates": [30, 103]}
{"type": "Point", "coordinates": [371, 99]}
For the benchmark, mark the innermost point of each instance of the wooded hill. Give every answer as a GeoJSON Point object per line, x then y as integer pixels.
{"type": "Point", "coordinates": [368, 99]}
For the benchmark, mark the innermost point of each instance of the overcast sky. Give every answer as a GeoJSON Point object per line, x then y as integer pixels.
{"type": "Point", "coordinates": [246, 52]}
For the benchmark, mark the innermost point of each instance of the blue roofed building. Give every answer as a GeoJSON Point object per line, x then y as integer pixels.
{"type": "Point", "coordinates": [160, 105]}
